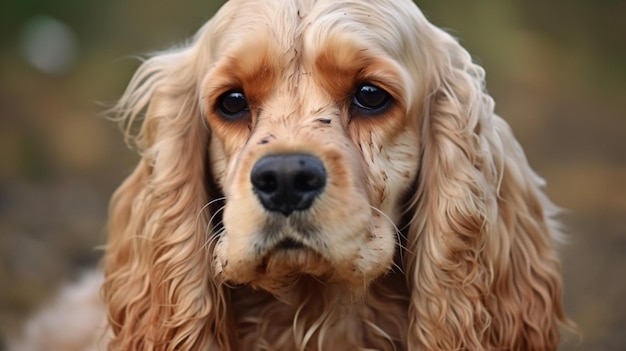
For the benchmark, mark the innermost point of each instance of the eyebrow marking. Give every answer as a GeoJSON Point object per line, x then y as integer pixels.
{"type": "Point", "coordinates": [266, 139]}
{"type": "Point", "coordinates": [324, 120]}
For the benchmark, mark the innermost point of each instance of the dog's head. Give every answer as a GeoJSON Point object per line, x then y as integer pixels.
{"type": "Point", "coordinates": [333, 140]}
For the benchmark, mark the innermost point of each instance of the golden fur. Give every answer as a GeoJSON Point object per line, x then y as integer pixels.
{"type": "Point", "coordinates": [432, 232]}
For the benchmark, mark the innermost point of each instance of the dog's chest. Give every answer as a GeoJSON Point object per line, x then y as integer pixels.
{"type": "Point", "coordinates": [264, 323]}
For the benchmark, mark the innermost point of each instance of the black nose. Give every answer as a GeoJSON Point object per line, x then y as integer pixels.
{"type": "Point", "coordinates": [289, 182]}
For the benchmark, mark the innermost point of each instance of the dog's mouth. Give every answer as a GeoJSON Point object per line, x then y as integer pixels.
{"type": "Point", "coordinates": [289, 244]}
{"type": "Point", "coordinates": [288, 252]}
{"type": "Point", "coordinates": [290, 256]}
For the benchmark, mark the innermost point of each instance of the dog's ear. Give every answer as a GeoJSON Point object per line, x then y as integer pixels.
{"type": "Point", "coordinates": [159, 285]}
{"type": "Point", "coordinates": [481, 263]}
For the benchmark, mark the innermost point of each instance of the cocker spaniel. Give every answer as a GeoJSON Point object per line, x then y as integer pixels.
{"type": "Point", "coordinates": [323, 175]}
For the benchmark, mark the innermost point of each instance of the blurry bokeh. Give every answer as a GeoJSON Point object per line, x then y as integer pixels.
{"type": "Point", "coordinates": [557, 70]}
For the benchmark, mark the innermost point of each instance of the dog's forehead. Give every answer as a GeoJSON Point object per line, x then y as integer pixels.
{"type": "Point", "coordinates": [289, 38]}
{"type": "Point", "coordinates": [297, 24]}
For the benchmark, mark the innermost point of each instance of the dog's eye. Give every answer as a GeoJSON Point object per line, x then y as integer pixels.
{"type": "Point", "coordinates": [232, 104]}
{"type": "Point", "coordinates": [371, 98]}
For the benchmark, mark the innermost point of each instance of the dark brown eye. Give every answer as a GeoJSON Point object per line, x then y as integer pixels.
{"type": "Point", "coordinates": [232, 105]}
{"type": "Point", "coordinates": [371, 99]}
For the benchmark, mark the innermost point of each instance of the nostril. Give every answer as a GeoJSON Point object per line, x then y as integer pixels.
{"type": "Point", "coordinates": [265, 181]}
{"type": "Point", "coordinates": [309, 180]}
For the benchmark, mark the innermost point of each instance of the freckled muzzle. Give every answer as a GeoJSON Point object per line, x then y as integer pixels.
{"type": "Point", "coordinates": [288, 182]}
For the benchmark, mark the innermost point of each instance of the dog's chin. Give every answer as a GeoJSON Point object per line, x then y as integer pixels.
{"type": "Point", "coordinates": [281, 270]}
{"type": "Point", "coordinates": [280, 266]}
{"type": "Point", "coordinates": [284, 270]}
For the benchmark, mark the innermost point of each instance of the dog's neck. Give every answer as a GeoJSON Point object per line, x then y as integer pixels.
{"type": "Point", "coordinates": [317, 315]}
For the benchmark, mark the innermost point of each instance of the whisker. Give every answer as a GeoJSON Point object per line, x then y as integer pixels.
{"type": "Point", "coordinates": [213, 217]}
{"type": "Point", "coordinates": [399, 234]}
{"type": "Point", "coordinates": [222, 198]}
{"type": "Point", "coordinates": [212, 239]}
{"type": "Point", "coordinates": [394, 266]}
{"type": "Point", "coordinates": [399, 237]}
{"type": "Point", "coordinates": [210, 228]}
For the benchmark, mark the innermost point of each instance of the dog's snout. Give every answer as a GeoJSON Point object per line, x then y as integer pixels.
{"type": "Point", "coordinates": [288, 182]}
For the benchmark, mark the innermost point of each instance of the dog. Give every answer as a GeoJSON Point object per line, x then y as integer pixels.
{"type": "Point", "coordinates": [317, 175]}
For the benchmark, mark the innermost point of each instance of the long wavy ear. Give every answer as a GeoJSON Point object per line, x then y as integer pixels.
{"type": "Point", "coordinates": [482, 268]}
{"type": "Point", "coordinates": [158, 287]}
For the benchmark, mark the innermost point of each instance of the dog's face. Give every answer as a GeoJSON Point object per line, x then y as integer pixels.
{"type": "Point", "coordinates": [313, 144]}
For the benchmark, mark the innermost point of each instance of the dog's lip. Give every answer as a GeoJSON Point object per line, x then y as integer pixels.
{"type": "Point", "coordinates": [286, 248]}
{"type": "Point", "coordinates": [289, 244]}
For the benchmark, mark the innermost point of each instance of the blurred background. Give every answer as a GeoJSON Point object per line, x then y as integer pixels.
{"type": "Point", "coordinates": [556, 69]}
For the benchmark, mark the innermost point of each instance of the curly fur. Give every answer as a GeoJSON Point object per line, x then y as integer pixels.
{"type": "Point", "coordinates": [435, 232]}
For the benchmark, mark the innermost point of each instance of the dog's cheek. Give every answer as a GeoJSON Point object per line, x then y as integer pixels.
{"type": "Point", "coordinates": [394, 172]}
{"type": "Point", "coordinates": [218, 162]}
{"type": "Point", "coordinates": [230, 259]}
{"type": "Point", "coordinates": [377, 255]}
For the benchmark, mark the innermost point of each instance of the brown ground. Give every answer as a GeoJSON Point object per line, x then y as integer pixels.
{"type": "Point", "coordinates": [556, 71]}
